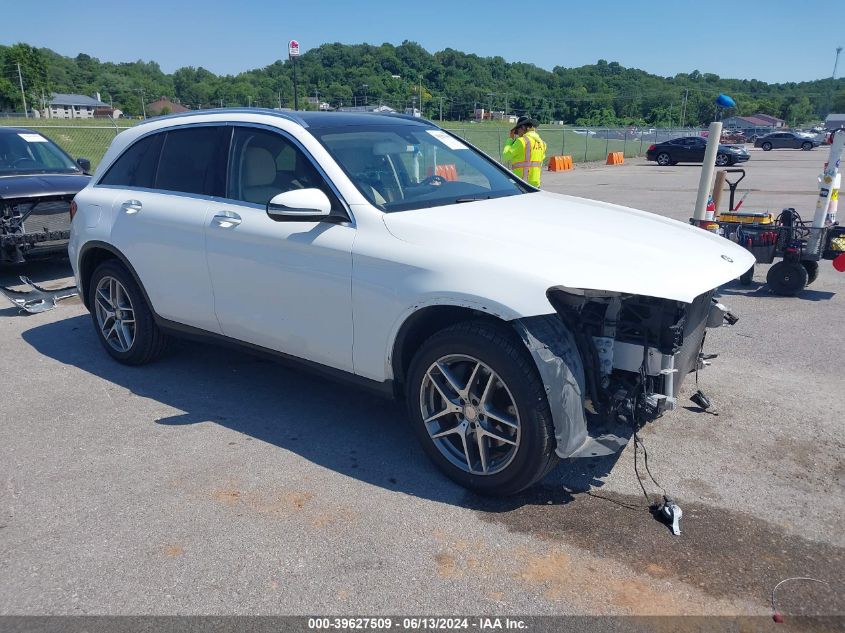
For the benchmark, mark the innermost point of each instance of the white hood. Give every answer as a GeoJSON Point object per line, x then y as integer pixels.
{"type": "Point", "coordinates": [578, 243]}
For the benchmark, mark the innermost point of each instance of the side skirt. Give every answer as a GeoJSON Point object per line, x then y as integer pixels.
{"type": "Point", "coordinates": [178, 330]}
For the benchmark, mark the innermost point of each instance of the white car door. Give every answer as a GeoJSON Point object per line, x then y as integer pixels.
{"type": "Point", "coordinates": [285, 286]}
{"type": "Point", "coordinates": [160, 226]}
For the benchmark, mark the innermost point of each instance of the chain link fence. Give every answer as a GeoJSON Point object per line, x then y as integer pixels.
{"type": "Point", "coordinates": [90, 138]}
{"type": "Point", "coordinates": [582, 143]}
{"type": "Point", "coordinates": [85, 138]}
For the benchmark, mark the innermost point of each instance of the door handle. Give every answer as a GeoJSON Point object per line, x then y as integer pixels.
{"type": "Point", "coordinates": [131, 207]}
{"type": "Point", "coordinates": [227, 219]}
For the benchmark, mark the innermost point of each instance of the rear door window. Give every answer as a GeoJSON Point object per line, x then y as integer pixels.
{"type": "Point", "coordinates": [193, 160]}
{"type": "Point", "coordinates": [136, 167]}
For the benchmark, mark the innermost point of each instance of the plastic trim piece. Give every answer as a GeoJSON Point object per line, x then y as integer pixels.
{"type": "Point", "coordinates": [562, 371]}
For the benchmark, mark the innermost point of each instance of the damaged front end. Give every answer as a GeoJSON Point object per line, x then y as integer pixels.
{"type": "Point", "coordinates": [29, 226]}
{"type": "Point", "coordinates": [633, 353]}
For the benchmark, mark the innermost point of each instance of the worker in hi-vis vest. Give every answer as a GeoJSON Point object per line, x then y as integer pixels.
{"type": "Point", "coordinates": [525, 151]}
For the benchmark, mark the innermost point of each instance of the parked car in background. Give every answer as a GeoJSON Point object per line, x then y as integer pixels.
{"type": "Point", "coordinates": [386, 250]}
{"type": "Point", "coordinates": [786, 140]}
{"type": "Point", "coordinates": [753, 134]}
{"type": "Point", "coordinates": [732, 136]}
{"type": "Point", "coordinates": [690, 149]}
{"type": "Point", "coordinates": [37, 183]}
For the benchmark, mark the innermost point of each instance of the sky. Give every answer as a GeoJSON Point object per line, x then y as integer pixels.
{"type": "Point", "coordinates": [774, 41]}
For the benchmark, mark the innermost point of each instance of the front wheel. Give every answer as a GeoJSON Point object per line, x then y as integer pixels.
{"type": "Point", "coordinates": [478, 406]}
{"type": "Point", "coordinates": [806, 146]}
{"type": "Point", "coordinates": [722, 160]}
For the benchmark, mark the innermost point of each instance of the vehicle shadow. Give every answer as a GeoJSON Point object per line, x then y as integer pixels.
{"type": "Point", "coordinates": [340, 427]}
{"type": "Point", "coordinates": [40, 271]}
{"type": "Point", "coordinates": [759, 289]}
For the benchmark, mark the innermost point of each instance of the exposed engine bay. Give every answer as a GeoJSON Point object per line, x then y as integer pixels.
{"type": "Point", "coordinates": [32, 225]}
{"type": "Point", "coordinates": [624, 356]}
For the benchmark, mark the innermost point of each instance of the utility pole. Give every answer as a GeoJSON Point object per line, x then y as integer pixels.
{"type": "Point", "coordinates": [280, 99]}
{"type": "Point", "coordinates": [684, 109]}
{"type": "Point", "coordinates": [141, 93]}
{"type": "Point", "coordinates": [490, 97]}
{"type": "Point", "coordinates": [506, 104]}
{"type": "Point", "coordinates": [441, 107]}
{"type": "Point", "coordinates": [23, 94]}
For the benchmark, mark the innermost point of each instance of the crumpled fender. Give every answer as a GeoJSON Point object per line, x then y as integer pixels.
{"type": "Point", "coordinates": [556, 355]}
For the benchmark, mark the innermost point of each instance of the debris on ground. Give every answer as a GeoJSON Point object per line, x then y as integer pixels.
{"type": "Point", "coordinates": [38, 299]}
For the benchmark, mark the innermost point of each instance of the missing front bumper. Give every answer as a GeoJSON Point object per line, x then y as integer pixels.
{"type": "Point", "coordinates": [605, 359]}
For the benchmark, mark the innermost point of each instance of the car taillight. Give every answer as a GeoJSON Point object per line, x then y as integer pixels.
{"type": "Point", "coordinates": [652, 147]}
{"type": "Point", "coordinates": [73, 208]}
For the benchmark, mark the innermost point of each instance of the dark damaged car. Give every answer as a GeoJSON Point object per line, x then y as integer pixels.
{"type": "Point", "coordinates": [38, 181]}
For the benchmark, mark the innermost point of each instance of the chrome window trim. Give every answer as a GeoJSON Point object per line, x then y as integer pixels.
{"type": "Point", "coordinates": [233, 124]}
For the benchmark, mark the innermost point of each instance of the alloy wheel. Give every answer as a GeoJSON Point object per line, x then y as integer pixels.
{"type": "Point", "coordinates": [115, 314]}
{"type": "Point", "coordinates": [470, 414]}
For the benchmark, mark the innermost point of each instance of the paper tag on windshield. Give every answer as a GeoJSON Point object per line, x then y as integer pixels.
{"type": "Point", "coordinates": [449, 141]}
{"type": "Point", "coordinates": [33, 138]}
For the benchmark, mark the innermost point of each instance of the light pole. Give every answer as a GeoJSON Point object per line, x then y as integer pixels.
{"type": "Point", "coordinates": [833, 77]}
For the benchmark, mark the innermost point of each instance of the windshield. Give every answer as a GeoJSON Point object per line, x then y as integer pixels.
{"type": "Point", "coordinates": [398, 167]}
{"type": "Point", "coordinates": [29, 152]}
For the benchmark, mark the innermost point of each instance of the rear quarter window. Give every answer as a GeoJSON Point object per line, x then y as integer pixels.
{"type": "Point", "coordinates": [136, 167]}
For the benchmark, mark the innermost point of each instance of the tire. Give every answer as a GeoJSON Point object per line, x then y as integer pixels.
{"type": "Point", "coordinates": [787, 278]}
{"type": "Point", "coordinates": [747, 277]}
{"type": "Point", "coordinates": [722, 160]}
{"type": "Point", "coordinates": [133, 337]}
{"type": "Point", "coordinates": [806, 146]}
{"type": "Point", "coordinates": [663, 159]}
{"type": "Point", "coordinates": [812, 269]}
{"type": "Point", "coordinates": [491, 349]}
{"type": "Point", "coordinates": [767, 147]}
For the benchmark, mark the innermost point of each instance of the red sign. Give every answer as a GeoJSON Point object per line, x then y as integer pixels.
{"type": "Point", "coordinates": [293, 48]}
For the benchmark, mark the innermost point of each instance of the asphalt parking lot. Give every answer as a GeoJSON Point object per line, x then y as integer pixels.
{"type": "Point", "coordinates": [215, 482]}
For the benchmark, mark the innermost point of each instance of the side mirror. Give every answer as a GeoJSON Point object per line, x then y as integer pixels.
{"type": "Point", "coordinates": [300, 205]}
{"type": "Point", "coordinates": [84, 164]}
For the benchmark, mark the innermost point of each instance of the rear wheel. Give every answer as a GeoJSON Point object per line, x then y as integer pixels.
{"type": "Point", "coordinates": [766, 146]}
{"type": "Point", "coordinates": [122, 318]}
{"type": "Point", "coordinates": [477, 405]}
{"type": "Point", "coordinates": [747, 277]}
{"type": "Point", "coordinates": [812, 269]}
{"type": "Point", "coordinates": [787, 278]}
{"type": "Point", "coordinates": [663, 159]}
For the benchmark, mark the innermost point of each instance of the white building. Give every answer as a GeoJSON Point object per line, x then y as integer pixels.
{"type": "Point", "coordinates": [64, 106]}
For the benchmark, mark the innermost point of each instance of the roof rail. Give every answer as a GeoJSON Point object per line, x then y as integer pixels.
{"type": "Point", "coordinates": [265, 111]}
{"type": "Point", "coordinates": [410, 117]}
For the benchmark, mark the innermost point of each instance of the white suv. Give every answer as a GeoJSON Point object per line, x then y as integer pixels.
{"type": "Point", "coordinates": [384, 249]}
